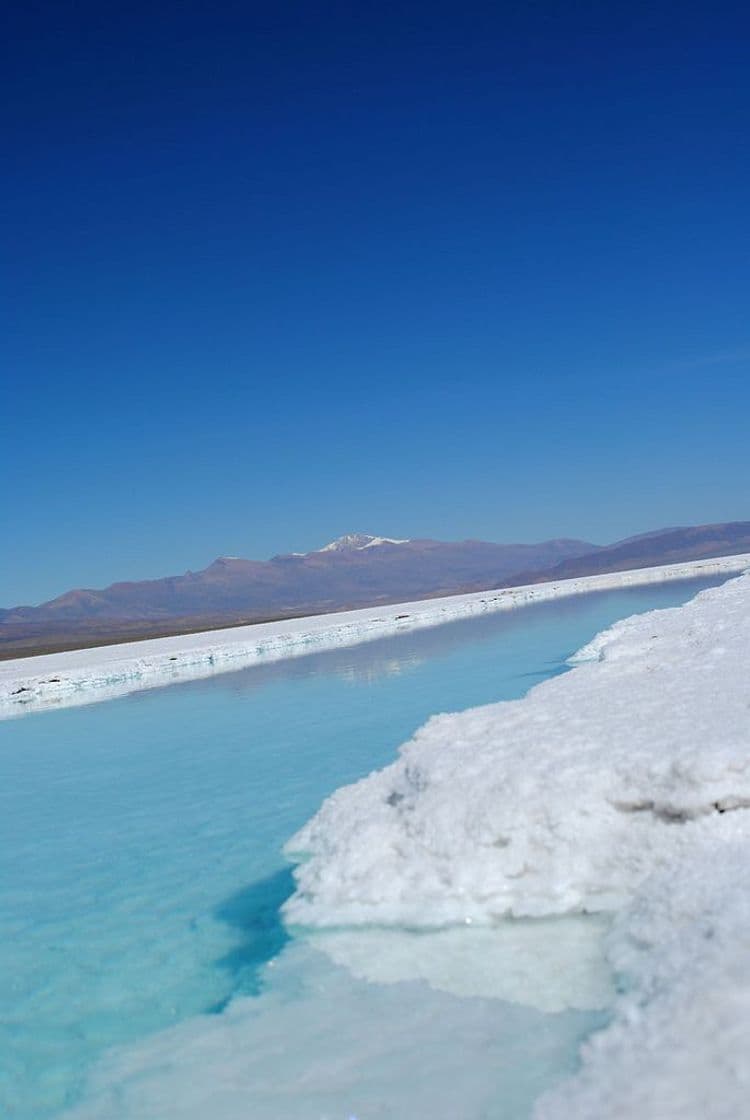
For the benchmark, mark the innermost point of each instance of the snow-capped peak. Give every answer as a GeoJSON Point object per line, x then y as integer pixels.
{"type": "Point", "coordinates": [355, 542]}
{"type": "Point", "coordinates": [374, 541]}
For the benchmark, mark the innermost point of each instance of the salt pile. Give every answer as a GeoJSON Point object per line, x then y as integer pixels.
{"type": "Point", "coordinates": [621, 787]}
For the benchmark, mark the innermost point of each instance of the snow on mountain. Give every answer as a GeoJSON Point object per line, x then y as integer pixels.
{"type": "Point", "coordinates": [356, 542]}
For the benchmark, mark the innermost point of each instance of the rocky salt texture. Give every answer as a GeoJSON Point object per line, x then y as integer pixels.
{"type": "Point", "coordinates": [86, 675]}
{"type": "Point", "coordinates": [622, 787]}
{"type": "Point", "coordinates": [678, 1046]}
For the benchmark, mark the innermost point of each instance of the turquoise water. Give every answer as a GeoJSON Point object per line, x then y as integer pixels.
{"type": "Point", "coordinates": [140, 866]}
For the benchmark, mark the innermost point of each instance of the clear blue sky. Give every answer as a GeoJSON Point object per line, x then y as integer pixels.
{"type": "Point", "coordinates": [281, 271]}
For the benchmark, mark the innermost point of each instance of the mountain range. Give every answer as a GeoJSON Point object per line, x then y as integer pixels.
{"type": "Point", "coordinates": [354, 571]}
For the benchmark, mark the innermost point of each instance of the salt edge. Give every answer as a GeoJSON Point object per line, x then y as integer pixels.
{"type": "Point", "coordinates": [75, 677]}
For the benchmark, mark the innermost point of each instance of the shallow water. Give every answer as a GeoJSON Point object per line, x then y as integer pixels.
{"type": "Point", "coordinates": [141, 877]}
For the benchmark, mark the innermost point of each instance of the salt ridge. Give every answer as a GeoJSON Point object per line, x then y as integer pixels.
{"type": "Point", "coordinates": [84, 676]}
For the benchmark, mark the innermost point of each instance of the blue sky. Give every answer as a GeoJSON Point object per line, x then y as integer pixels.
{"type": "Point", "coordinates": [278, 272]}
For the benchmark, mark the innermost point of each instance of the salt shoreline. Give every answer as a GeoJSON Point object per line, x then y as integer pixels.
{"type": "Point", "coordinates": [86, 676]}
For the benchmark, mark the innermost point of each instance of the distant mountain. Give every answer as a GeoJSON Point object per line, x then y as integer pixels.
{"type": "Point", "coordinates": [355, 570]}
{"type": "Point", "coordinates": [663, 546]}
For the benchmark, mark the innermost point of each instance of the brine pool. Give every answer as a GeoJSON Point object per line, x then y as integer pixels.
{"type": "Point", "coordinates": [144, 971]}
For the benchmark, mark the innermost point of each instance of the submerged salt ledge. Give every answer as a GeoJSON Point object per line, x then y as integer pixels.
{"type": "Point", "coordinates": [320, 1045]}
{"type": "Point", "coordinates": [83, 676]}
{"type": "Point", "coordinates": [621, 786]}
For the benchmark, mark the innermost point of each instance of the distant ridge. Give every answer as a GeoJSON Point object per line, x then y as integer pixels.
{"type": "Point", "coordinates": [356, 570]}
{"type": "Point", "coordinates": [664, 546]}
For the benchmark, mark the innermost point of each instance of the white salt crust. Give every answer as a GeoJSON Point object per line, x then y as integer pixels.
{"type": "Point", "coordinates": [621, 787]}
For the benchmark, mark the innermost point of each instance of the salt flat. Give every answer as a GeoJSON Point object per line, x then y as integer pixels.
{"type": "Point", "coordinates": [83, 676]}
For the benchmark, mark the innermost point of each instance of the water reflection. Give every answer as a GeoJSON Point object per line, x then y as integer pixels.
{"type": "Point", "coordinates": [407, 651]}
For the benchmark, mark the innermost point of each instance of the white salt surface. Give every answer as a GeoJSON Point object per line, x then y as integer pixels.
{"type": "Point", "coordinates": [83, 676]}
{"type": "Point", "coordinates": [620, 787]}
{"type": "Point", "coordinates": [678, 1047]}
